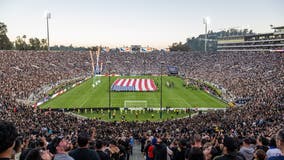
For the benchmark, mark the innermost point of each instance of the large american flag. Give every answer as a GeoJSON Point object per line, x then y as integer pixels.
{"type": "Point", "coordinates": [134, 85]}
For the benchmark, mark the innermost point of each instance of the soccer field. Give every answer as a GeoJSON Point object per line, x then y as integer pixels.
{"type": "Point", "coordinates": [85, 96]}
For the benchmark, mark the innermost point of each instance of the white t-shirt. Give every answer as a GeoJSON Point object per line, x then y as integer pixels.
{"type": "Point", "coordinates": [272, 152]}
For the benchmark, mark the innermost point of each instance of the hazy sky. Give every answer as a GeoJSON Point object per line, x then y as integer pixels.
{"type": "Point", "coordinates": [157, 23]}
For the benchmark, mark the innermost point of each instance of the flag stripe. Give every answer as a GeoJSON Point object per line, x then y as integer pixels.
{"type": "Point", "coordinates": [136, 84]}
{"type": "Point", "coordinates": [129, 81]}
{"type": "Point", "coordinates": [139, 88]}
{"type": "Point", "coordinates": [146, 84]}
{"type": "Point", "coordinates": [153, 85]}
{"type": "Point", "coordinates": [125, 82]}
{"type": "Point", "coordinates": [119, 82]}
{"type": "Point", "coordinates": [116, 82]}
{"type": "Point", "coordinates": [149, 85]}
{"type": "Point", "coordinates": [142, 85]}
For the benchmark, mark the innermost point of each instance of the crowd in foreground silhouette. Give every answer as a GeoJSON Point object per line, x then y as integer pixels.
{"type": "Point", "coordinates": [252, 131]}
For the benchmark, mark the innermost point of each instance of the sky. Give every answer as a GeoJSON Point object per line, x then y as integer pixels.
{"type": "Point", "coordinates": [118, 23]}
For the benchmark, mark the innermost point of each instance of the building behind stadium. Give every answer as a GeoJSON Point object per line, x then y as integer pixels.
{"type": "Point", "coordinates": [264, 42]}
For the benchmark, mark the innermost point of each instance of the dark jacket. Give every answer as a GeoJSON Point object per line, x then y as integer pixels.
{"type": "Point", "coordinates": [231, 156]}
{"type": "Point", "coordinates": [103, 155]}
{"type": "Point", "coordinates": [84, 154]}
{"type": "Point", "coordinates": [160, 152]}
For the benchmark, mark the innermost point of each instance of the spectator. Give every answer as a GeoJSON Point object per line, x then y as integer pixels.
{"type": "Point", "coordinates": [150, 149]}
{"type": "Point", "coordinates": [195, 153]}
{"type": "Point", "coordinates": [39, 154]}
{"type": "Point", "coordinates": [209, 151]}
{"type": "Point", "coordinates": [273, 150]}
{"type": "Point", "coordinates": [197, 141]}
{"type": "Point", "coordinates": [8, 135]}
{"type": "Point", "coordinates": [113, 150]}
{"type": "Point", "coordinates": [17, 148]}
{"type": "Point", "coordinates": [229, 150]}
{"type": "Point", "coordinates": [259, 155]}
{"type": "Point", "coordinates": [280, 145]}
{"type": "Point", "coordinates": [262, 143]}
{"type": "Point", "coordinates": [83, 152]}
{"type": "Point", "coordinates": [160, 150]}
{"type": "Point", "coordinates": [60, 146]}
{"type": "Point", "coordinates": [246, 149]}
{"type": "Point", "coordinates": [179, 153]}
{"type": "Point", "coordinates": [100, 150]}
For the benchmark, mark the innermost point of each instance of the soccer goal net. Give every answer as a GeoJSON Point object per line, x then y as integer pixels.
{"type": "Point", "coordinates": [135, 104]}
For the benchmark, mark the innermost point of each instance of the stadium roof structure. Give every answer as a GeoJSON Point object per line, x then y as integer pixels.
{"type": "Point", "coordinates": [279, 27]}
{"type": "Point", "coordinates": [268, 42]}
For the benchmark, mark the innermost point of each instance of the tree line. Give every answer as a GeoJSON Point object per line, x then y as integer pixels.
{"type": "Point", "coordinates": [4, 40]}
{"type": "Point", "coordinates": [24, 43]}
{"type": "Point", "coordinates": [21, 42]}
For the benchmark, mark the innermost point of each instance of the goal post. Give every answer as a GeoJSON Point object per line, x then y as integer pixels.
{"type": "Point", "coordinates": [135, 104]}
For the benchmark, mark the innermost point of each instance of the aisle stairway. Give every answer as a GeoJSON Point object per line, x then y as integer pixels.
{"type": "Point", "coordinates": [137, 155]}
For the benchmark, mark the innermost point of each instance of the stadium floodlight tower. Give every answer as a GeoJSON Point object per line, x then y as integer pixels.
{"type": "Point", "coordinates": [206, 21]}
{"type": "Point", "coordinates": [47, 16]}
{"type": "Point", "coordinates": [161, 92]}
{"type": "Point", "coordinates": [109, 95]}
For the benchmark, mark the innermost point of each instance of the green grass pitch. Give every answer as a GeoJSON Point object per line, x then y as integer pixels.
{"type": "Point", "coordinates": [85, 95]}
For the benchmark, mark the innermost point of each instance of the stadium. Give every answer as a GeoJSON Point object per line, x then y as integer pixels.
{"type": "Point", "coordinates": [263, 104]}
{"type": "Point", "coordinates": [141, 102]}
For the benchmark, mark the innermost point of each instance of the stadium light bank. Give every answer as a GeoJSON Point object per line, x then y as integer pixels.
{"type": "Point", "coordinates": [206, 21]}
{"type": "Point", "coordinates": [47, 15]}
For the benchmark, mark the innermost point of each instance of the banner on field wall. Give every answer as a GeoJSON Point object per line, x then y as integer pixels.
{"type": "Point", "coordinates": [45, 99]}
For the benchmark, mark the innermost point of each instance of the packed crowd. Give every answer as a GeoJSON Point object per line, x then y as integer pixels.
{"type": "Point", "coordinates": [25, 72]}
{"type": "Point", "coordinates": [237, 133]}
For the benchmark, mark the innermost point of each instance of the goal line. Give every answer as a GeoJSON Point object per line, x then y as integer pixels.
{"type": "Point", "coordinates": [135, 104]}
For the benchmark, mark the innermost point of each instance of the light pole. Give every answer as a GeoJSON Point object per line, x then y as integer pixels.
{"type": "Point", "coordinates": [205, 22]}
{"type": "Point", "coordinates": [47, 16]}
{"type": "Point", "coordinates": [109, 96]}
{"type": "Point", "coordinates": [161, 92]}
